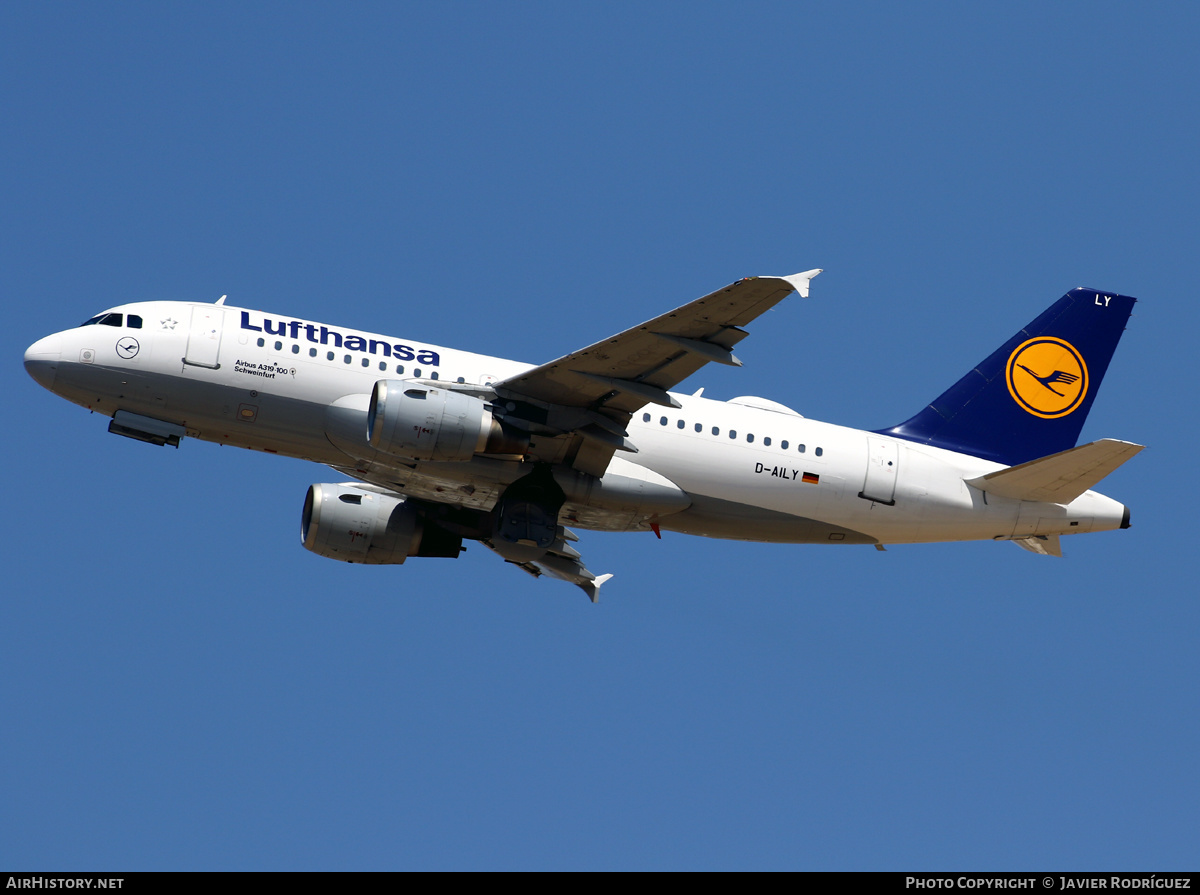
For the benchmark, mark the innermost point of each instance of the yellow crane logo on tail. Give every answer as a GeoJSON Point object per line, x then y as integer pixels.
{"type": "Point", "coordinates": [1047, 377]}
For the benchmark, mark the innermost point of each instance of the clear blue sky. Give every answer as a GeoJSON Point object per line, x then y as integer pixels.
{"type": "Point", "coordinates": [183, 686]}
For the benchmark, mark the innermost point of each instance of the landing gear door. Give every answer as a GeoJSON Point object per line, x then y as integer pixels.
{"type": "Point", "coordinates": [882, 461]}
{"type": "Point", "coordinates": [204, 337]}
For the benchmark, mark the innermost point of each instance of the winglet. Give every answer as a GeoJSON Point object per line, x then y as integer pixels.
{"type": "Point", "coordinates": [592, 588]}
{"type": "Point", "coordinates": [800, 281]}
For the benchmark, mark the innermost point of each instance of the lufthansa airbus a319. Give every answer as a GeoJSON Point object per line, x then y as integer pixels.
{"type": "Point", "coordinates": [438, 445]}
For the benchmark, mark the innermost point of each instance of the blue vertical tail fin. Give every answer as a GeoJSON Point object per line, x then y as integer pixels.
{"type": "Point", "coordinates": [1030, 397]}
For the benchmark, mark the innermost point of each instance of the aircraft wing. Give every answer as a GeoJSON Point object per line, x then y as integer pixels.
{"type": "Point", "coordinates": [561, 561]}
{"type": "Point", "coordinates": [591, 393]}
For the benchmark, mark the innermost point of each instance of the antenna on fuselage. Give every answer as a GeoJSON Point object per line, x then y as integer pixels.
{"type": "Point", "coordinates": [221, 300]}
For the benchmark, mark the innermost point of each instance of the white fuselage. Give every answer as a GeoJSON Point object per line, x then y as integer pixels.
{"type": "Point", "coordinates": [762, 473]}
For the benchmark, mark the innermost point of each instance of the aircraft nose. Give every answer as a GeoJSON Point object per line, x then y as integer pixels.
{"type": "Point", "coordinates": [41, 360]}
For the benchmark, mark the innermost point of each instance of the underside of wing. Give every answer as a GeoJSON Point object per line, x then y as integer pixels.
{"type": "Point", "coordinates": [561, 561]}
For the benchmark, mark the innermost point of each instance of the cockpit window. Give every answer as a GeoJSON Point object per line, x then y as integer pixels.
{"type": "Point", "coordinates": [133, 321]}
{"type": "Point", "coordinates": [108, 320]}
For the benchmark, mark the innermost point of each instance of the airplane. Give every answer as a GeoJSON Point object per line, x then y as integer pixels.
{"type": "Point", "coordinates": [439, 446]}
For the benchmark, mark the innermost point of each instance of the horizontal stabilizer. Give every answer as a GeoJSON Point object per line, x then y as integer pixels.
{"type": "Point", "coordinates": [1043, 545]}
{"type": "Point", "coordinates": [1061, 477]}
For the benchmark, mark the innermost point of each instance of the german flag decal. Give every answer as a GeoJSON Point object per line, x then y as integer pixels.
{"type": "Point", "coordinates": [810, 478]}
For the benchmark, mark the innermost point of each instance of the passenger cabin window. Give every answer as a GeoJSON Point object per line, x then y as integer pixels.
{"type": "Point", "coordinates": [699, 427]}
{"type": "Point", "coordinates": [312, 352]}
{"type": "Point", "coordinates": [278, 346]}
{"type": "Point", "coordinates": [328, 354]}
{"type": "Point", "coordinates": [783, 445]}
{"type": "Point", "coordinates": [645, 417]}
{"type": "Point", "coordinates": [261, 341]}
{"type": "Point", "coordinates": [819, 451]}
{"type": "Point", "coordinates": [295, 349]}
{"type": "Point", "coordinates": [681, 424]}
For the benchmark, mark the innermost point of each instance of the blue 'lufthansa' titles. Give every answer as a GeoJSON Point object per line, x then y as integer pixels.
{"type": "Point", "coordinates": [323, 335]}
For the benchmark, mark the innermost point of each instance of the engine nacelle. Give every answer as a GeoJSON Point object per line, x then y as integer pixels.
{"type": "Point", "coordinates": [412, 420]}
{"type": "Point", "coordinates": [356, 525]}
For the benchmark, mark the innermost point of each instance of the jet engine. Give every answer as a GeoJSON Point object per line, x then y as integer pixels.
{"type": "Point", "coordinates": [354, 524]}
{"type": "Point", "coordinates": [425, 423]}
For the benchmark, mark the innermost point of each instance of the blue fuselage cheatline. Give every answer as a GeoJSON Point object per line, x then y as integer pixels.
{"type": "Point", "coordinates": [439, 445]}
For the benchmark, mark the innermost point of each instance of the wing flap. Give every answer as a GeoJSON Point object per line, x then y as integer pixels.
{"type": "Point", "coordinates": [1061, 477]}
